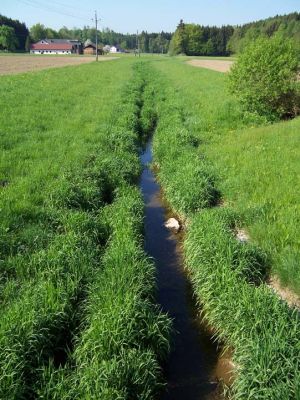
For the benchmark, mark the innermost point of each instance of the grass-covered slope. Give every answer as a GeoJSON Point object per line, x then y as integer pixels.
{"type": "Point", "coordinates": [227, 276]}
{"type": "Point", "coordinates": [257, 168]}
{"type": "Point", "coordinates": [246, 314]}
{"type": "Point", "coordinates": [259, 173]}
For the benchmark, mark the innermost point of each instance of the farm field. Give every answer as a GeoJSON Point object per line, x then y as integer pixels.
{"type": "Point", "coordinates": [80, 317]}
{"type": "Point", "coordinates": [16, 64]}
{"type": "Point", "coordinates": [216, 65]}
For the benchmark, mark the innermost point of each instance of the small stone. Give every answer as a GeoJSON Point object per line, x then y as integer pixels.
{"type": "Point", "coordinates": [173, 224]}
{"type": "Point", "coordinates": [242, 235]}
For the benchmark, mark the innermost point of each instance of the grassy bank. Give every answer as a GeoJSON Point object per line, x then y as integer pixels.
{"type": "Point", "coordinates": [78, 311]}
{"type": "Point", "coordinates": [259, 173]}
{"type": "Point", "coordinates": [228, 277]}
{"type": "Point", "coordinates": [256, 168]}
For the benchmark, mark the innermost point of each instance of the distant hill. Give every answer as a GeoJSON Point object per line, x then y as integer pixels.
{"type": "Point", "coordinates": [286, 26]}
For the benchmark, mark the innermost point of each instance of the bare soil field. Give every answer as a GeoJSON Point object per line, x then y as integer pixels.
{"type": "Point", "coordinates": [216, 65]}
{"type": "Point", "coordinates": [18, 64]}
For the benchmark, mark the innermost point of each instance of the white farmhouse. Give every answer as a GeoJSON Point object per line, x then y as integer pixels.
{"type": "Point", "coordinates": [116, 49]}
{"type": "Point", "coordinates": [56, 46]}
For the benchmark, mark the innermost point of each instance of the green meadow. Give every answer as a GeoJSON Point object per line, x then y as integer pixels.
{"type": "Point", "coordinates": [79, 314]}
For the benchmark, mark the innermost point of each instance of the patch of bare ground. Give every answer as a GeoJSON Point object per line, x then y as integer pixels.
{"type": "Point", "coordinates": [286, 294]}
{"type": "Point", "coordinates": [216, 65]}
{"type": "Point", "coordinates": [26, 63]}
{"type": "Point", "coordinates": [225, 370]}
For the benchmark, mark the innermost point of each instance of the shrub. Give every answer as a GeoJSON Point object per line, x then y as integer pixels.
{"type": "Point", "coordinates": [265, 78]}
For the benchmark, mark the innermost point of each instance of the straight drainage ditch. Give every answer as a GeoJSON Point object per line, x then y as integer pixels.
{"type": "Point", "coordinates": [194, 367]}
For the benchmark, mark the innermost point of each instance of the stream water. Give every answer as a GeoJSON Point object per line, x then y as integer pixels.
{"type": "Point", "coordinates": [191, 370]}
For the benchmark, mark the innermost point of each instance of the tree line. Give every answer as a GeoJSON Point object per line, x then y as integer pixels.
{"type": "Point", "coordinates": [189, 39]}
{"type": "Point", "coordinates": [284, 26]}
{"type": "Point", "coordinates": [148, 42]}
{"type": "Point", "coordinates": [15, 36]}
{"type": "Point", "coordinates": [197, 40]}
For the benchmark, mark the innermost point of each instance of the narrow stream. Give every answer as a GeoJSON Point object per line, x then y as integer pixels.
{"type": "Point", "coordinates": [191, 368]}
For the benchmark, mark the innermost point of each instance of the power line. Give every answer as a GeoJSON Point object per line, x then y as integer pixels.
{"type": "Point", "coordinates": [66, 5]}
{"type": "Point", "coordinates": [42, 7]}
{"type": "Point", "coordinates": [46, 6]}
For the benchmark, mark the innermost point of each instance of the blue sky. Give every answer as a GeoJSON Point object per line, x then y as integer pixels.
{"type": "Point", "coordinates": [153, 16]}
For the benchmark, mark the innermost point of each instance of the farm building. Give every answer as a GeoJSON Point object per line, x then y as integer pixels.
{"type": "Point", "coordinates": [116, 49]}
{"type": "Point", "coordinates": [90, 48]}
{"type": "Point", "coordinates": [56, 46]}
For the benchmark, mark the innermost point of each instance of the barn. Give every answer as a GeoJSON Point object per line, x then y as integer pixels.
{"type": "Point", "coordinates": [90, 48]}
{"type": "Point", "coordinates": [56, 46]}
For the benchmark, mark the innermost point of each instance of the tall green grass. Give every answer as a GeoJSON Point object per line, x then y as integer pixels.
{"type": "Point", "coordinates": [123, 332]}
{"type": "Point", "coordinates": [263, 331]}
{"type": "Point", "coordinates": [259, 171]}
{"type": "Point", "coordinates": [62, 301]}
{"type": "Point", "coordinates": [228, 276]}
{"type": "Point", "coordinates": [256, 166]}
{"type": "Point", "coordinates": [47, 128]}
{"type": "Point", "coordinates": [48, 247]}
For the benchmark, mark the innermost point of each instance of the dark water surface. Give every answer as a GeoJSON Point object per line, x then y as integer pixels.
{"type": "Point", "coordinates": [191, 368]}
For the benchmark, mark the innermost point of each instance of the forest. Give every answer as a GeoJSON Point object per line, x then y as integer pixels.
{"type": "Point", "coordinates": [197, 40]}
{"type": "Point", "coordinates": [286, 26]}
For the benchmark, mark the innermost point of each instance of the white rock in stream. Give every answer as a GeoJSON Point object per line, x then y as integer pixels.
{"type": "Point", "coordinates": [172, 223]}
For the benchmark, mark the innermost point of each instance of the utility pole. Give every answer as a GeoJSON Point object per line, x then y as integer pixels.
{"type": "Point", "coordinates": [138, 43]}
{"type": "Point", "coordinates": [96, 22]}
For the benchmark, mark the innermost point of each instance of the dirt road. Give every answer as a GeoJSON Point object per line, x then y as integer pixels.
{"type": "Point", "coordinates": [216, 65]}
{"type": "Point", "coordinates": [24, 63]}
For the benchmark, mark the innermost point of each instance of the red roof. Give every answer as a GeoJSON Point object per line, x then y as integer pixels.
{"type": "Point", "coordinates": [52, 46]}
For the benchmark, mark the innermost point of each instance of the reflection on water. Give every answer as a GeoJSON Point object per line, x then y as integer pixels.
{"type": "Point", "coordinates": [193, 366]}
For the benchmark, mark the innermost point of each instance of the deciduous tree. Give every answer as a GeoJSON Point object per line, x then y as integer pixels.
{"type": "Point", "coordinates": [8, 38]}
{"type": "Point", "coordinates": [38, 32]}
